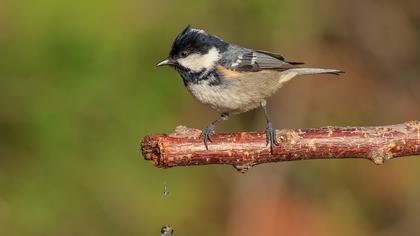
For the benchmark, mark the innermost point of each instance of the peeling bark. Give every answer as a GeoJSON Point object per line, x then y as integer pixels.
{"type": "Point", "coordinates": [246, 149]}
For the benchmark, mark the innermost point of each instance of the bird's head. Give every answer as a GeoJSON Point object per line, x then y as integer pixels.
{"type": "Point", "coordinates": [194, 50]}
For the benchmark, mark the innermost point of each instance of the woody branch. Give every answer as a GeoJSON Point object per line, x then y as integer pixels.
{"type": "Point", "coordinates": [243, 150]}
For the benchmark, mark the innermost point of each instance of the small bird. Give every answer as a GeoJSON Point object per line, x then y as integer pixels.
{"type": "Point", "coordinates": [230, 78]}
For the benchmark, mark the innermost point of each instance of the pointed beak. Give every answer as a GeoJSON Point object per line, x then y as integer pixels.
{"type": "Point", "coordinates": [165, 62]}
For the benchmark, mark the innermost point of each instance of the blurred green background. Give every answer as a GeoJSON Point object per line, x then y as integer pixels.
{"type": "Point", "coordinates": [78, 90]}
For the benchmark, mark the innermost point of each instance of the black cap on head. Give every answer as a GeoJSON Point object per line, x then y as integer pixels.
{"type": "Point", "coordinates": [192, 40]}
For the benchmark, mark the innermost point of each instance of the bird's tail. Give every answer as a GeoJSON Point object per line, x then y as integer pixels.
{"type": "Point", "coordinates": [293, 72]}
{"type": "Point", "coordinates": [313, 71]}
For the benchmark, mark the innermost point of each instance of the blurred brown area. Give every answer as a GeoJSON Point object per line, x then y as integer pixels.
{"type": "Point", "coordinates": [78, 89]}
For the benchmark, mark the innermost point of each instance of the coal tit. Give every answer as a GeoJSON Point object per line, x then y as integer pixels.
{"type": "Point", "coordinates": [229, 78]}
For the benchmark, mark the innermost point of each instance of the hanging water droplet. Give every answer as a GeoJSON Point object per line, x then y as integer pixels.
{"type": "Point", "coordinates": [167, 230]}
{"type": "Point", "coordinates": [165, 190]}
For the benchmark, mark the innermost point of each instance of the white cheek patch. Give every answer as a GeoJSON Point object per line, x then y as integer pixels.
{"type": "Point", "coordinates": [197, 62]}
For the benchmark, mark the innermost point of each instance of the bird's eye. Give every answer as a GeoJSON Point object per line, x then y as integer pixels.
{"type": "Point", "coordinates": [184, 53]}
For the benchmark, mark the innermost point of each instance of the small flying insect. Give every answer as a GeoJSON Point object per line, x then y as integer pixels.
{"type": "Point", "coordinates": [167, 230]}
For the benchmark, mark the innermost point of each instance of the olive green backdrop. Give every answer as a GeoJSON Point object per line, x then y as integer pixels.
{"type": "Point", "coordinates": [79, 89]}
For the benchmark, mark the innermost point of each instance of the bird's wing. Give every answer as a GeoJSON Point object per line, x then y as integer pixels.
{"type": "Point", "coordinates": [254, 61]}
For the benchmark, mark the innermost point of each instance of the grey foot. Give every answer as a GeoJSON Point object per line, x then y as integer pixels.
{"type": "Point", "coordinates": [271, 136]}
{"type": "Point", "coordinates": [206, 134]}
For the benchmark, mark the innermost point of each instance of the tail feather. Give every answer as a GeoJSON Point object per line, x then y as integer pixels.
{"type": "Point", "coordinates": [313, 71]}
{"type": "Point", "coordinates": [292, 73]}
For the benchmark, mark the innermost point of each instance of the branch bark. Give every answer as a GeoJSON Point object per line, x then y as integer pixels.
{"type": "Point", "coordinates": [246, 149]}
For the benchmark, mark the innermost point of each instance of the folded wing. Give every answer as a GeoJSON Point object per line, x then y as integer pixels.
{"type": "Point", "coordinates": [254, 61]}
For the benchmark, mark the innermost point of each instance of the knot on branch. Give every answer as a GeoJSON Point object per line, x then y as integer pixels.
{"type": "Point", "coordinates": [381, 154]}
{"type": "Point", "coordinates": [182, 131]}
{"type": "Point", "coordinates": [243, 168]}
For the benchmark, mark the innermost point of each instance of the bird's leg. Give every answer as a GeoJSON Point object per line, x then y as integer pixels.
{"type": "Point", "coordinates": [207, 132]}
{"type": "Point", "coordinates": [270, 132]}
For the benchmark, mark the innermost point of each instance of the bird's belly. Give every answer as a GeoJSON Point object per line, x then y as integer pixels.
{"type": "Point", "coordinates": [240, 93]}
{"type": "Point", "coordinates": [225, 97]}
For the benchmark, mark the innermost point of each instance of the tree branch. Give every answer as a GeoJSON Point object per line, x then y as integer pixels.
{"type": "Point", "coordinates": [244, 150]}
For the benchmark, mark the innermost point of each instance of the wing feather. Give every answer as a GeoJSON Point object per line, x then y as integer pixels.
{"type": "Point", "coordinates": [253, 61]}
